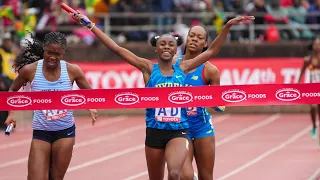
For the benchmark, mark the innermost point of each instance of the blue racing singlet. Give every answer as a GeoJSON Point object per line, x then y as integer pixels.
{"type": "Point", "coordinates": [166, 118]}
{"type": "Point", "coordinates": [196, 78]}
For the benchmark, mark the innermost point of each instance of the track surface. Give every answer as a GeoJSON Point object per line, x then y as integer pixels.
{"type": "Point", "coordinates": [247, 147]}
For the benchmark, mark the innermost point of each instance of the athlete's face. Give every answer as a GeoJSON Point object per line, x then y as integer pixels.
{"type": "Point", "coordinates": [316, 45]}
{"type": "Point", "coordinates": [196, 40]}
{"type": "Point", "coordinates": [53, 53]}
{"type": "Point", "coordinates": [166, 47]}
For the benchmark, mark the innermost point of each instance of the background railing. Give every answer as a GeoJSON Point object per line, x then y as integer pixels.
{"type": "Point", "coordinates": [176, 18]}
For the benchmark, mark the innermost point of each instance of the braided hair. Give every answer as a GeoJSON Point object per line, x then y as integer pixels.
{"type": "Point", "coordinates": [34, 49]}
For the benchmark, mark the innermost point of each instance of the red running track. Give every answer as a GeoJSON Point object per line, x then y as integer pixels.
{"type": "Point", "coordinates": [247, 147]}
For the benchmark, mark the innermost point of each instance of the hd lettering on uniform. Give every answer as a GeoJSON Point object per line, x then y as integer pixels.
{"type": "Point", "coordinates": [163, 112]}
{"type": "Point", "coordinates": [168, 114]}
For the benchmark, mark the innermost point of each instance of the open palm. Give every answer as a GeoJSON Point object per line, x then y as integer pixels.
{"type": "Point", "coordinates": [240, 19]}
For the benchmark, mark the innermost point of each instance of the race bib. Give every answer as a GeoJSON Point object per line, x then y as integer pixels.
{"type": "Point", "coordinates": [168, 114]}
{"type": "Point", "coordinates": [54, 114]}
{"type": "Point", "coordinates": [315, 76]}
{"type": "Point", "coordinates": [191, 111]}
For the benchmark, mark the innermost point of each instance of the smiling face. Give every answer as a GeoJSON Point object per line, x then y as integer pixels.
{"type": "Point", "coordinates": [53, 53]}
{"type": "Point", "coordinates": [166, 47]}
{"type": "Point", "coordinates": [197, 39]}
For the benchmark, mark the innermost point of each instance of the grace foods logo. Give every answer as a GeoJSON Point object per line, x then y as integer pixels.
{"type": "Point", "coordinates": [73, 100]}
{"type": "Point", "coordinates": [180, 97]}
{"type": "Point", "coordinates": [288, 94]}
{"type": "Point", "coordinates": [234, 95]}
{"type": "Point", "coordinates": [19, 101]}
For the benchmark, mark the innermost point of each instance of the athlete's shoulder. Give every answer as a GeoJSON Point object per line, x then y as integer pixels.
{"type": "Point", "coordinates": [73, 68]}
{"type": "Point", "coordinates": [210, 67]}
{"type": "Point", "coordinates": [28, 71]}
{"type": "Point", "coordinates": [29, 67]}
{"type": "Point", "coordinates": [175, 59]}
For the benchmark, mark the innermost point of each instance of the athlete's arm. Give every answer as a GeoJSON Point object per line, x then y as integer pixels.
{"type": "Point", "coordinates": [212, 76]}
{"type": "Point", "coordinates": [76, 74]}
{"type": "Point", "coordinates": [142, 64]}
{"type": "Point", "coordinates": [22, 78]}
{"type": "Point", "coordinates": [303, 68]}
{"type": "Point", "coordinates": [214, 47]}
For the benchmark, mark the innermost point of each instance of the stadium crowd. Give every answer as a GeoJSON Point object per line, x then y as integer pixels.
{"type": "Point", "coordinates": [39, 16]}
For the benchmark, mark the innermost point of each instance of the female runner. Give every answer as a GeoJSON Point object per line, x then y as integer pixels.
{"type": "Point", "coordinates": [312, 62]}
{"type": "Point", "coordinates": [53, 130]}
{"type": "Point", "coordinates": [166, 140]}
{"type": "Point", "coordinates": [201, 131]}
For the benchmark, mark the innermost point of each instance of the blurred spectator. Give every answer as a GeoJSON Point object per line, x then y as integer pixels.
{"type": "Point", "coordinates": [162, 6]}
{"type": "Point", "coordinates": [100, 7]}
{"type": "Point", "coordinates": [183, 5]}
{"type": "Point", "coordinates": [297, 14]}
{"type": "Point", "coordinates": [225, 4]}
{"type": "Point", "coordinates": [6, 71]}
{"type": "Point", "coordinates": [279, 15]}
{"type": "Point", "coordinates": [313, 14]}
{"type": "Point", "coordinates": [286, 3]}
{"type": "Point", "coordinates": [121, 7]}
{"type": "Point", "coordinates": [258, 9]}
{"type": "Point", "coordinates": [4, 86]}
{"type": "Point", "coordinates": [138, 6]}
{"type": "Point", "coordinates": [7, 57]}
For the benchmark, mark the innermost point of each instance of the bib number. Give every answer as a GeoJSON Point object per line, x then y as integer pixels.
{"type": "Point", "coordinates": [191, 111]}
{"type": "Point", "coordinates": [168, 114]}
{"type": "Point", "coordinates": [54, 114]}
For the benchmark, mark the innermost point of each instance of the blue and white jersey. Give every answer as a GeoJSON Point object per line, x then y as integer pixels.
{"type": "Point", "coordinates": [54, 119]}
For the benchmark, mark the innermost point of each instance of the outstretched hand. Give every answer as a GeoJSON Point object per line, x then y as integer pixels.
{"type": "Point", "coordinates": [240, 19]}
{"type": "Point", "coordinates": [94, 115]}
{"type": "Point", "coordinates": [78, 16]}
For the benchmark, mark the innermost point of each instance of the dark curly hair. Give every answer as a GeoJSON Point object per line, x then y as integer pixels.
{"type": "Point", "coordinates": [34, 49]}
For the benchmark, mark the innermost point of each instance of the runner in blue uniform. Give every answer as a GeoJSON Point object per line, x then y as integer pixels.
{"type": "Point", "coordinates": [53, 130]}
{"type": "Point", "coordinates": [167, 128]}
{"type": "Point", "coordinates": [201, 131]}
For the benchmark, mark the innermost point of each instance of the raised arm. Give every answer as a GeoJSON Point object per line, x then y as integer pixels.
{"type": "Point", "coordinates": [215, 46]}
{"type": "Point", "coordinates": [142, 64]}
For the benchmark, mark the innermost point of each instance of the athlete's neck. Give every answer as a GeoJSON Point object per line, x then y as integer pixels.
{"type": "Point", "coordinates": [190, 55]}
{"type": "Point", "coordinates": [50, 69]}
{"type": "Point", "coordinates": [165, 65]}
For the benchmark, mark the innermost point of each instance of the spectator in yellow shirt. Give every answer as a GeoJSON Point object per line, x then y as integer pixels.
{"type": "Point", "coordinates": [7, 57]}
